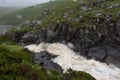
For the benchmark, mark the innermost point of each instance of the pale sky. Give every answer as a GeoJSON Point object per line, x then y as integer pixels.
{"type": "Point", "coordinates": [18, 3]}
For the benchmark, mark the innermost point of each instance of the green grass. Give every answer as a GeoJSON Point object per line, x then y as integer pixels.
{"type": "Point", "coordinates": [59, 11]}
{"type": "Point", "coordinates": [29, 13]}
{"type": "Point", "coordinates": [15, 64]}
{"type": "Point", "coordinates": [14, 47]}
{"type": "Point", "coordinates": [59, 7]}
{"type": "Point", "coordinates": [78, 75]}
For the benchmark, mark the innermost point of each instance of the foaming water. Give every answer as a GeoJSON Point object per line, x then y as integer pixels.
{"type": "Point", "coordinates": [68, 59]}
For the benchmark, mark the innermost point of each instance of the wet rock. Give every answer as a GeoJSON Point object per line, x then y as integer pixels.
{"type": "Point", "coordinates": [106, 53]}
{"type": "Point", "coordinates": [49, 65]}
{"type": "Point", "coordinates": [118, 28]}
{"type": "Point", "coordinates": [44, 58]}
{"type": "Point", "coordinates": [114, 51]}
{"type": "Point", "coordinates": [98, 53]}
{"type": "Point", "coordinates": [29, 38]}
{"type": "Point", "coordinates": [50, 33]}
{"type": "Point", "coordinates": [99, 32]}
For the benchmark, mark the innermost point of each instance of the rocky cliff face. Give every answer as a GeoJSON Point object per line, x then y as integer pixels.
{"type": "Point", "coordinates": [101, 41]}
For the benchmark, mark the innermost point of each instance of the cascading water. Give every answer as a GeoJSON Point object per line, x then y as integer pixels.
{"type": "Point", "coordinates": [67, 58]}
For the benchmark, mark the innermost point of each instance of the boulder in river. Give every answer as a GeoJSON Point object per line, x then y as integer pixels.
{"type": "Point", "coordinates": [44, 58]}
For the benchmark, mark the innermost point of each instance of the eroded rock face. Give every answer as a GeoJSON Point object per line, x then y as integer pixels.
{"type": "Point", "coordinates": [29, 38]}
{"type": "Point", "coordinates": [118, 27]}
{"type": "Point", "coordinates": [114, 51]}
{"type": "Point", "coordinates": [99, 32]}
{"type": "Point", "coordinates": [43, 56]}
{"type": "Point", "coordinates": [98, 53]}
{"type": "Point", "coordinates": [107, 53]}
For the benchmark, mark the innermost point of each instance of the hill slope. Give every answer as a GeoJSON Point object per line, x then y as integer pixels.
{"type": "Point", "coordinates": [6, 10]}
{"type": "Point", "coordinates": [79, 13]}
{"type": "Point", "coordinates": [28, 13]}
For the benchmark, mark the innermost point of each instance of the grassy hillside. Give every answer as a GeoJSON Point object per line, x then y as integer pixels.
{"type": "Point", "coordinates": [61, 9]}
{"type": "Point", "coordinates": [79, 13]}
{"type": "Point", "coordinates": [28, 13]}
{"type": "Point", "coordinates": [6, 10]}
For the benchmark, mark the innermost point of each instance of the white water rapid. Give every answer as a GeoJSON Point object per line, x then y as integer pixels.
{"type": "Point", "coordinates": [68, 59]}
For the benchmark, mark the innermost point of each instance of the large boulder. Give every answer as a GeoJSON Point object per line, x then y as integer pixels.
{"type": "Point", "coordinates": [98, 53]}
{"type": "Point", "coordinates": [44, 58]}
{"type": "Point", "coordinates": [118, 28]}
{"type": "Point", "coordinates": [114, 51]}
{"type": "Point", "coordinates": [29, 38]}
{"type": "Point", "coordinates": [106, 53]}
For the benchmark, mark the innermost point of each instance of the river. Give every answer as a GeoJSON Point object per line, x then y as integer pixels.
{"type": "Point", "coordinates": [67, 58]}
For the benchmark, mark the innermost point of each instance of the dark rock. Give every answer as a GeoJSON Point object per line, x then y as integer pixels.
{"type": "Point", "coordinates": [49, 65]}
{"type": "Point", "coordinates": [114, 51]}
{"type": "Point", "coordinates": [107, 53]}
{"type": "Point", "coordinates": [29, 38]}
{"type": "Point", "coordinates": [44, 58]}
{"type": "Point", "coordinates": [98, 53]}
{"type": "Point", "coordinates": [100, 32]}
{"type": "Point", "coordinates": [118, 28]}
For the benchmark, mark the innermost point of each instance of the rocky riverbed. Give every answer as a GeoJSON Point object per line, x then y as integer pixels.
{"type": "Point", "coordinates": [62, 58]}
{"type": "Point", "coordinates": [102, 45]}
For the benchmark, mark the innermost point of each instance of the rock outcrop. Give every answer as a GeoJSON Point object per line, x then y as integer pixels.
{"type": "Point", "coordinates": [44, 59]}
{"type": "Point", "coordinates": [93, 41]}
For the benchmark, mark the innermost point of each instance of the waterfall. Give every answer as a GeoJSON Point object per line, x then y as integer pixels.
{"type": "Point", "coordinates": [67, 58]}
